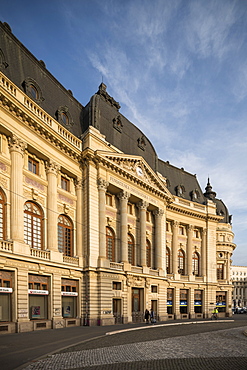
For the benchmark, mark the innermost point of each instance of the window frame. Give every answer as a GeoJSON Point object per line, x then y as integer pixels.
{"type": "Point", "coordinates": [148, 253]}
{"type": "Point", "coordinates": [29, 220]}
{"type": "Point", "coordinates": [181, 262]}
{"type": "Point", "coordinates": [3, 220]}
{"type": "Point", "coordinates": [110, 244]}
{"type": "Point", "coordinates": [65, 183]}
{"type": "Point", "coordinates": [131, 249]}
{"type": "Point", "coordinates": [64, 246]}
{"type": "Point", "coordinates": [33, 165]}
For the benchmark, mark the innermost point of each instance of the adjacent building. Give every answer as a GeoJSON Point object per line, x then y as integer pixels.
{"type": "Point", "coordinates": [94, 227]}
{"type": "Point", "coordinates": [239, 281]}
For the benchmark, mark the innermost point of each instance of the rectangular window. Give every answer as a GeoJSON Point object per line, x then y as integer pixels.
{"type": "Point", "coordinates": [130, 209]}
{"type": "Point", "coordinates": [181, 230]}
{"type": "Point", "coordinates": [33, 166]}
{"type": "Point", "coordinates": [196, 233]}
{"type": "Point", "coordinates": [109, 199]}
{"type": "Point", "coordinates": [220, 271]}
{"type": "Point", "coordinates": [116, 285]}
{"type": "Point", "coordinates": [64, 183]}
{"type": "Point", "coordinates": [198, 301]}
{"type": "Point", "coordinates": [154, 289]}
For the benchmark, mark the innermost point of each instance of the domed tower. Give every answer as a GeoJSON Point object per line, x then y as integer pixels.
{"type": "Point", "coordinates": [224, 236]}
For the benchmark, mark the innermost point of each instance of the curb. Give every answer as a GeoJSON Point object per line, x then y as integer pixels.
{"type": "Point", "coordinates": [160, 325]}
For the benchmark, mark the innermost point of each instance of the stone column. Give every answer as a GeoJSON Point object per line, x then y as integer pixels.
{"type": "Point", "coordinates": [175, 225]}
{"type": "Point", "coordinates": [52, 169]}
{"type": "Point", "coordinates": [159, 251]}
{"type": "Point", "coordinates": [79, 227]}
{"type": "Point", "coordinates": [16, 148]}
{"type": "Point", "coordinates": [203, 253]}
{"type": "Point", "coordinates": [190, 229]}
{"type": "Point", "coordinates": [124, 197]}
{"type": "Point", "coordinates": [102, 187]}
{"type": "Point", "coordinates": [142, 205]}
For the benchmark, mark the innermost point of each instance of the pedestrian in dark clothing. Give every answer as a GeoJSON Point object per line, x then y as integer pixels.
{"type": "Point", "coordinates": [146, 316]}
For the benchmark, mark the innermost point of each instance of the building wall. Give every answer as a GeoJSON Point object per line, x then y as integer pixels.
{"type": "Point", "coordinates": [239, 281]}
{"type": "Point", "coordinates": [95, 187]}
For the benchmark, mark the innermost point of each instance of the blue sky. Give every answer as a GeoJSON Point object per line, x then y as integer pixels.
{"type": "Point", "coordinates": [177, 67]}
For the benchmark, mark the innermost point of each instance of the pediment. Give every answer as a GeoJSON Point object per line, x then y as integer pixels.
{"type": "Point", "coordinates": [137, 168]}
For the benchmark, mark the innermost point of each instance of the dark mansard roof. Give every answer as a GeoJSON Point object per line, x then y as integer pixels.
{"type": "Point", "coordinates": [102, 112]}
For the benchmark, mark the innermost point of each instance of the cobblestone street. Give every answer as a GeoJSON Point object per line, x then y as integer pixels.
{"type": "Point", "coordinates": [220, 349]}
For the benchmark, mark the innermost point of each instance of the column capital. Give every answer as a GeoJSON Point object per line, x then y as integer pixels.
{"type": "Point", "coordinates": [123, 195]}
{"type": "Point", "coordinates": [158, 212]}
{"type": "Point", "coordinates": [102, 184]}
{"type": "Point", "coordinates": [142, 204]}
{"type": "Point", "coordinates": [78, 184]}
{"type": "Point", "coordinates": [175, 224]}
{"type": "Point", "coordinates": [16, 145]}
{"type": "Point", "coordinates": [190, 228]}
{"type": "Point", "coordinates": [52, 167]}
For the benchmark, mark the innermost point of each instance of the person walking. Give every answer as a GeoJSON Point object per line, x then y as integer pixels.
{"type": "Point", "coordinates": [146, 316]}
{"type": "Point", "coordinates": [152, 316]}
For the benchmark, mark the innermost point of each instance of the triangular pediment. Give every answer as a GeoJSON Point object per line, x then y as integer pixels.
{"type": "Point", "coordinates": [138, 169]}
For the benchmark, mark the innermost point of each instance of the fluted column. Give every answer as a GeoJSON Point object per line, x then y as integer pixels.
{"type": "Point", "coordinates": [158, 214]}
{"type": "Point", "coordinates": [79, 207]}
{"type": "Point", "coordinates": [52, 169]}
{"type": "Point", "coordinates": [102, 187]}
{"type": "Point", "coordinates": [142, 205]}
{"type": "Point", "coordinates": [16, 148]}
{"type": "Point", "coordinates": [175, 225]}
{"type": "Point", "coordinates": [203, 252]}
{"type": "Point", "coordinates": [190, 229]}
{"type": "Point", "coordinates": [123, 197]}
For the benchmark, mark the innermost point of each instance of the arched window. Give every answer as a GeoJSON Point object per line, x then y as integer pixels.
{"type": "Point", "coordinates": [65, 235]}
{"type": "Point", "coordinates": [131, 249]}
{"type": "Point", "coordinates": [181, 263]}
{"type": "Point", "coordinates": [195, 263]}
{"type": "Point", "coordinates": [148, 253]}
{"type": "Point", "coordinates": [110, 244]}
{"type": "Point", "coordinates": [168, 259]}
{"type": "Point", "coordinates": [33, 225]}
{"type": "Point", "coordinates": [2, 215]}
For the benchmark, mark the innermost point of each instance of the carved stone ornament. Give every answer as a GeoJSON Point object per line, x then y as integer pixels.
{"type": "Point", "coordinates": [158, 212]}
{"type": "Point", "coordinates": [141, 142]}
{"type": "Point", "coordinates": [123, 195]}
{"type": "Point", "coordinates": [104, 94]}
{"type": "Point", "coordinates": [52, 167]}
{"type": "Point", "coordinates": [143, 204]}
{"type": "Point", "coordinates": [133, 281]}
{"type": "Point", "coordinates": [117, 123]}
{"type": "Point", "coordinates": [16, 145]}
{"type": "Point", "coordinates": [64, 117]}
{"type": "Point", "coordinates": [147, 283]}
{"type": "Point", "coordinates": [102, 184]}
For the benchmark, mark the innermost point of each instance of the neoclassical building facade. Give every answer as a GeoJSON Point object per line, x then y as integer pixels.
{"type": "Point", "coordinates": [94, 227]}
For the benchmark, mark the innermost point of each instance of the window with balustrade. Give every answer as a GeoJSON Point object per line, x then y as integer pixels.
{"type": "Point", "coordinates": [148, 253]}
{"type": "Point", "coordinates": [195, 263]}
{"type": "Point", "coordinates": [2, 215]}
{"type": "Point", "coordinates": [181, 262]}
{"type": "Point", "coordinates": [168, 260]}
{"type": "Point", "coordinates": [131, 249]}
{"type": "Point", "coordinates": [33, 225]}
{"type": "Point", "coordinates": [65, 235]}
{"type": "Point", "coordinates": [110, 244]}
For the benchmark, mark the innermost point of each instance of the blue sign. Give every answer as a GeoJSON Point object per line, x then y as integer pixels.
{"type": "Point", "coordinates": [197, 303]}
{"type": "Point", "coordinates": [221, 304]}
{"type": "Point", "coordinates": [169, 303]}
{"type": "Point", "coordinates": [183, 303]}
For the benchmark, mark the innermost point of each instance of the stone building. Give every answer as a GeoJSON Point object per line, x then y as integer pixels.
{"type": "Point", "coordinates": [94, 227]}
{"type": "Point", "coordinates": [239, 281]}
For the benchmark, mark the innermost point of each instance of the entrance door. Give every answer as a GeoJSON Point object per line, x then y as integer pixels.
{"type": "Point", "coordinates": [137, 305]}
{"type": "Point", "coordinates": [116, 307]}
